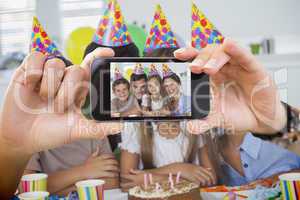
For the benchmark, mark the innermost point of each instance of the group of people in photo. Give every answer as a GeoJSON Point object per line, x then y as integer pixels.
{"type": "Point", "coordinates": [149, 94]}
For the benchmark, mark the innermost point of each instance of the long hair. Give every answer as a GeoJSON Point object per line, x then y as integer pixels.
{"type": "Point", "coordinates": [146, 139]}
{"type": "Point", "coordinates": [161, 88]}
{"type": "Point", "coordinates": [216, 139]}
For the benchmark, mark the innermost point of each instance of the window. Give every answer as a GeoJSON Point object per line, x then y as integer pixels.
{"type": "Point", "coordinates": [15, 25]}
{"type": "Point", "coordinates": [78, 13]}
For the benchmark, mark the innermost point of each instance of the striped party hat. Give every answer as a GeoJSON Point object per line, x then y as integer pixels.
{"type": "Point", "coordinates": [166, 71]}
{"type": "Point", "coordinates": [203, 31]}
{"type": "Point", "coordinates": [118, 74]}
{"type": "Point", "coordinates": [112, 30]}
{"type": "Point", "coordinates": [138, 69]}
{"type": "Point", "coordinates": [161, 35]}
{"type": "Point", "coordinates": [40, 41]}
{"type": "Point", "coordinates": [153, 71]}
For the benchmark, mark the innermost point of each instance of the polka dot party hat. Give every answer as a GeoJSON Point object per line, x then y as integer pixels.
{"type": "Point", "coordinates": [153, 71]}
{"type": "Point", "coordinates": [138, 69]}
{"type": "Point", "coordinates": [160, 35]}
{"type": "Point", "coordinates": [203, 31]}
{"type": "Point", "coordinates": [112, 30]}
{"type": "Point", "coordinates": [118, 74]}
{"type": "Point", "coordinates": [40, 41]}
{"type": "Point", "coordinates": [166, 71]}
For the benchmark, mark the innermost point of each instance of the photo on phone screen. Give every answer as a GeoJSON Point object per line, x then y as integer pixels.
{"type": "Point", "coordinates": [150, 89]}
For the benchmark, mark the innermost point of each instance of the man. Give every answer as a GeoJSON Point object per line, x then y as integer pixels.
{"type": "Point", "coordinates": [250, 104]}
{"type": "Point", "coordinates": [138, 83]}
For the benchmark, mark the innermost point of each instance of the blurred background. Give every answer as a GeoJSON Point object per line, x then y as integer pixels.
{"type": "Point", "coordinates": [268, 28]}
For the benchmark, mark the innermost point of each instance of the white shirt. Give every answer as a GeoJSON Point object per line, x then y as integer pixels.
{"type": "Point", "coordinates": [165, 151]}
{"type": "Point", "coordinates": [157, 105]}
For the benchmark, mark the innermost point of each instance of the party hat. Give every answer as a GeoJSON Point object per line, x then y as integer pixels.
{"type": "Point", "coordinates": [40, 40]}
{"type": "Point", "coordinates": [118, 74]}
{"type": "Point", "coordinates": [166, 71]}
{"type": "Point", "coordinates": [203, 31]}
{"type": "Point", "coordinates": [153, 71]}
{"type": "Point", "coordinates": [112, 30]}
{"type": "Point", "coordinates": [138, 70]}
{"type": "Point", "coordinates": [160, 35]}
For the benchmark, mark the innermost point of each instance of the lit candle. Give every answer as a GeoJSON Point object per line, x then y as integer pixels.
{"type": "Point", "coordinates": [178, 177]}
{"type": "Point", "coordinates": [150, 179]}
{"type": "Point", "coordinates": [171, 181]}
{"type": "Point", "coordinates": [145, 181]}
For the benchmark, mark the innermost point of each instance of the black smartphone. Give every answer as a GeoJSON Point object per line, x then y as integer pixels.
{"type": "Point", "coordinates": [147, 89]}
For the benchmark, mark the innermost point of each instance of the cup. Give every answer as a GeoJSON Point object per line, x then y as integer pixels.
{"type": "Point", "coordinates": [34, 195]}
{"type": "Point", "coordinates": [290, 186]}
{"type": "Point", "coordinates": [34, 182]}
{"type": "Point", "coordinates": [92, 189]}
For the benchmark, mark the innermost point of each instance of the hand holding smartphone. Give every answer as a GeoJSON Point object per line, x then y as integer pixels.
{"type": "Point", "coordinates": [147, 89]}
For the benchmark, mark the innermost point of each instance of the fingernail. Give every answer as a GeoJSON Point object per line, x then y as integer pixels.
{"type": "Point", "coordinates": [212, 63]}
{"type": "Point", "coordinates": [197, 63]}
{"type": "Point", "coordinates": [181, 50]}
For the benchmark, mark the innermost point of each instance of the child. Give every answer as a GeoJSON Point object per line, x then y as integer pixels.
{"type": "Point", "coordinates": [123, 104]}
{"type": "Point", "coordinates": [162, 148]}
{"type": "Point", "coordinates": [245, 158]}
{"type": "Point", "coordinates": [84, 159]}
{"type": "Point", "coordinates": [156, 93]}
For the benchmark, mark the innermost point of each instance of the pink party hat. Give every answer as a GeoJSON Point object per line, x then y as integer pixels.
{"type": "Point", "coordinates": [112, 30]}
{"type": "Point", "coordinates": [153, 71]}
{"type": "Point", "coordinates": [160, 35]}
{"type": "Point", "coordinates": [118, 74]}
{"type": "Point", "coordinates": [203, 31]}
{"type": "Point", "coordinates": [40, 40]}
{"type": "Point", "coordinates": [138, 70]}
{"type": "Point", "coordinates": [166, 71]}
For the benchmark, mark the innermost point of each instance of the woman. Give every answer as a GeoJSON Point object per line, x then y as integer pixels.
{"type": "Point", "coordinates": [178, 103]}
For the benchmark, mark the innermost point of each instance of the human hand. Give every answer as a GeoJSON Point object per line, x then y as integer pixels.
{"type": "Point", "coordinates": [197, 174]}
{"type": "Point", "coordinates": [103, 166]}
{"type": "Point", "coordinates": [245, 97]}
{"type": "Point", "coordinates": [41, 108]}
{"type": "Point", "coordinates": [134, 178]}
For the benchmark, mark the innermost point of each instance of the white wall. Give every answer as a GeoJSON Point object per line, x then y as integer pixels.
{"type": "Point", "coordinates": [245, 20]}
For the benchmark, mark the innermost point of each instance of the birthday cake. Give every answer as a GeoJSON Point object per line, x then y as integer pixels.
{"type": "Point", "coordinates": [183, 190]}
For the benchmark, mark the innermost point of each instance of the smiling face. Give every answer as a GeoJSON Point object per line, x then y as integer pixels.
{"type": "Point", "coordinates": [172, 87]}
{"type": "Point", "coordinates": [121, 91]}
{"type": "Point", "coordinates": [153, 86]}
{"type": "Point", "coordinates": [139, 88]}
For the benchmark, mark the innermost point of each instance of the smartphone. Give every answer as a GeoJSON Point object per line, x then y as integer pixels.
{"type": "Point", "coordinates": [147, 89]}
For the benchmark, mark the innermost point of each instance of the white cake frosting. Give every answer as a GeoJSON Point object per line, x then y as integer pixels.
{"type": "Point", "coordinates": [139, 192]}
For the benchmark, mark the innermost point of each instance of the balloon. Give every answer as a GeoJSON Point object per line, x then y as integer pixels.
{"type": "Point", "coordinates": [138, 35]}
{"type": "Point", "coordinates": [146, 70]}
{"type": "Point", "coordinates": [128, 73]}
{"type": "Point", "coordinates": [77, 43]}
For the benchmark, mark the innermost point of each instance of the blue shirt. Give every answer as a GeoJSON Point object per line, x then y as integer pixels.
{"type": "Point", "coordinates": [260, 159]}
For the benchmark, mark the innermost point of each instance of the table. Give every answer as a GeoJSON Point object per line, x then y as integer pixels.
{"type": "Point", "coordinates": [115, 194]}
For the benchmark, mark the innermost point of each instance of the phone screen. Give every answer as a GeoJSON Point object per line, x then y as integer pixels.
{"type": "Point", "coordinates": [138, 89]}
{"type": "Point", "coordinates": [150, 89]}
